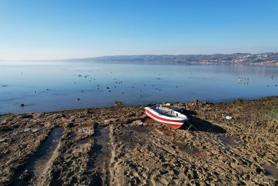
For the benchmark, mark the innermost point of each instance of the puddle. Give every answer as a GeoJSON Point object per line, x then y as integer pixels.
{"type": "Point", "coordinates": [37, 162]}
{"type": "Point", "coordinates": [228, 140]}
{"type": "Point", "coordinates": [100, 157]}
{"type": "Point", "coordinates": [271, 170]}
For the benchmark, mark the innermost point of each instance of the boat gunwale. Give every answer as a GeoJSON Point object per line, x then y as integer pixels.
{"type": "Point", "coordinates": [180, 118]}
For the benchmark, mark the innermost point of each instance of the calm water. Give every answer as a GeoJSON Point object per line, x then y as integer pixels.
{"type": "Point", "coordinates": [67, 85]}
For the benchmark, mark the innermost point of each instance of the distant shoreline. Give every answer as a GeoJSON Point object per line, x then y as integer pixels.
{"type": "Point", "coordinates": [265, 59]}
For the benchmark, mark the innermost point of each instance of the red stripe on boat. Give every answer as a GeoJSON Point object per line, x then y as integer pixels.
{"type": "Point", "coordinates": [174, 126]}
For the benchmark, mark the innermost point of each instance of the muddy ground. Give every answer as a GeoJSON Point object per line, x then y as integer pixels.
{"type": "Point", "coordinates": [121, 146]}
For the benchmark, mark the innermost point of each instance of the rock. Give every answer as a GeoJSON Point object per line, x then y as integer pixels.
{"type": "Point", "coordinates": [69, 124]}
{"type": "Point", "coordinates": [22, 105]}
{"type": "Point", "coordinates": [48, 124]}
{"type": "Point", "coordinates": [26, 130]}
{"type": "Point", "coordinates": [228, 117]}
{"type": "Point", "coordinates": [259, 170]}
{"type": "Point", "coordinates": [233, 164]}
{"type": "Point", "coordinates": [37, 115]}
{"type": "Point", "coordinates": [3, 121]}
{"type": "Point", "coordinates": [2, 140]}
{"type": "Point", "coordinates": [35, 130]}
{"type": "Point", "coordinates": [137, 123]}
{"type": "Point", "coordinates": [109, 121]}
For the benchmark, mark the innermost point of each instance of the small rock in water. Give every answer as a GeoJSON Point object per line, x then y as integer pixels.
{"type": "Point", "coordinates": [228, 117]}
{"type": "Point", "coordinates": [118, 103]}
{"type": "Point", "coordinates": [26, 175]}
{"type": "Point", "coordinates": [22, 105]}
{"type": "Point", "coordinates": [78, 99]}
{"type": "Point", "coordinates": [4, 85]}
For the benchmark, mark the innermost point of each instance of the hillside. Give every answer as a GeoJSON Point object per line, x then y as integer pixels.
{"type": "Point", "coordinates": [237, 58]}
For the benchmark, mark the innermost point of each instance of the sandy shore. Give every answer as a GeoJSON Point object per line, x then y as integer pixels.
{"type": "Point", "coordinates": [121, 146]}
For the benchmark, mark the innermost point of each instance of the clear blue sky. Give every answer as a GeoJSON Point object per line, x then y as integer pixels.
{"type": "Point", "coordinates": [47, 29]}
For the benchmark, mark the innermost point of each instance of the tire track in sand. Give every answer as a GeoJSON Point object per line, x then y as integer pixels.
{"type": "Point", "coordinates": [102, 157]}
{"type": "Point", "coordinates": [34, 170]}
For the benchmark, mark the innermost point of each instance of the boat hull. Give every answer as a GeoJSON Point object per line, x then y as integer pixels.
{"type": "Point", "coordinates": [173, 123]}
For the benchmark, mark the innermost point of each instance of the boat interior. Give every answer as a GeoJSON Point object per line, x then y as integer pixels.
{"type": "Point", "coordinates": [167, 112]}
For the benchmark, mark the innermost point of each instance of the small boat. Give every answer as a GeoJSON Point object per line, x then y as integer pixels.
{"type": "Point", "coordinates": [166, 116]}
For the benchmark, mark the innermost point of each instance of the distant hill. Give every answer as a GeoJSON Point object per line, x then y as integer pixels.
{"type": "Point", "coordinates": [236, 58]}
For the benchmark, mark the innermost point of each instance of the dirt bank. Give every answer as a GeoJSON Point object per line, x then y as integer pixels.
{"type": "Point", "coordinates": [121, 146]}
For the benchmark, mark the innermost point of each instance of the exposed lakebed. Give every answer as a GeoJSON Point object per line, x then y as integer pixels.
{"type": "Point", "coordinates": [121, 146]}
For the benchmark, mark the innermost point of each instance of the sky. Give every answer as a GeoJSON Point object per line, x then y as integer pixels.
{"type": "Point", "coordinates": [58, 29]}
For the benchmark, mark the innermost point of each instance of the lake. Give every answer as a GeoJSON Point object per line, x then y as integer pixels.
{"type": "Point", "coordinates": [54, 86]}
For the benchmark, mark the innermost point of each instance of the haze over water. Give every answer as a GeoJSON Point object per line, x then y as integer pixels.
{"type": "Point", "coordinates": [54, 86]}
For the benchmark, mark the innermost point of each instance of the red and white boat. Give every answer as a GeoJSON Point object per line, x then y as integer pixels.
{"type": "Point", "coordinates": [166, 116]}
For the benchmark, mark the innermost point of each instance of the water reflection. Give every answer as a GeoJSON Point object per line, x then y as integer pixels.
{"type": "Point", "coordinates": [66, 85]}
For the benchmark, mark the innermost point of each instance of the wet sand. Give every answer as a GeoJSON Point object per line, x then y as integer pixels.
{"type": "Point", "coordinates": [121, 146]}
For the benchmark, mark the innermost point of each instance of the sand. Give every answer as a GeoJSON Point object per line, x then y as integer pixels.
{"type": "Point", "coordinates": [227, 143]}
